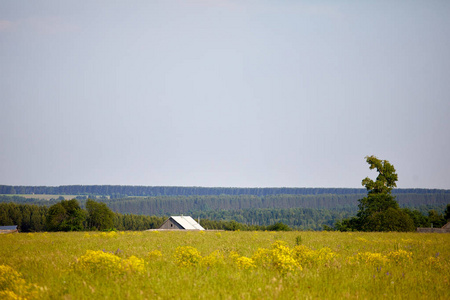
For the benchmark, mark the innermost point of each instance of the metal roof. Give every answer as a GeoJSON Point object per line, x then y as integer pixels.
{"type": "Point", "coordinates": [187, 222]}
{"type": "Point", "coordinates": [12, 227]}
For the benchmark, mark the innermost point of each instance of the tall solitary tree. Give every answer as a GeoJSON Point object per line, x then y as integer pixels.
{"type": "Point", "coordinates": [379, 211]}
{"type": "Point", "coordinates": [379, 197]}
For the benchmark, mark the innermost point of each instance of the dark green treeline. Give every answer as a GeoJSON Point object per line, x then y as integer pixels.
{"type": "Point", "coordinates": [33, 218]}
{"type": "Point", "coordinates": [300, 208]}
{"type": "Point", "coordinates": [120, 191]}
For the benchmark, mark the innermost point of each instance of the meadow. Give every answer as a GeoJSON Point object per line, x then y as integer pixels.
{"type": "Point", "coordinates": [224, 265]}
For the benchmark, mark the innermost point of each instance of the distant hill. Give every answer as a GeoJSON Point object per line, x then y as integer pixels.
{"type": "Point", "coordinates": [120, 191]}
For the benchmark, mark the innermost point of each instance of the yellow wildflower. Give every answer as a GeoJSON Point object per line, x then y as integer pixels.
{"type": "Point", "coordinates": [212, 259]}
{"type": "Point", "coordinates": [262, 257]}
{"type": "Point", "coordinates": [133, 264]}
{"type": "Point", "coordinates": [282, 257]}
{"type": "Point", "coordinates": [245, 263]}
{"type": "Point", "coordinates": [187, 256]}
{"type": "Point", "coordinates": [372, 258]}
{"type": "Point", "coordinates": [400, 256]}
{"type": "Point", "coordinates": [13, 286]}
{"type": "Point", "coordinates": [100, 261]}
{"type": "Point", "coordinates": [154, 254]}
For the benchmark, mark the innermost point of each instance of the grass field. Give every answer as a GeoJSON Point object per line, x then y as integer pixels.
{"type": "Point", "coordinates": [224, 265]}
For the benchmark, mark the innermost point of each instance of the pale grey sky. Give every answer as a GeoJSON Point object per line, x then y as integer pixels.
{"type": "Point", "coordinates": [224, 93]}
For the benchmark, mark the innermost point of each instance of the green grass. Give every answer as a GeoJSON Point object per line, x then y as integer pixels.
{"type": "Point", "coordinates": [50, 264]}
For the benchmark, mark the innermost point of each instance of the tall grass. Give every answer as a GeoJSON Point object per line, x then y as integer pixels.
{"type": "Point", "coordinates": [226, 265]}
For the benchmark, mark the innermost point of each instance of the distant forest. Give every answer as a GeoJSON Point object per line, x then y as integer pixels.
{"type": "Point", "coordinates": [121, 191]}
{"type": "Point", "coordinates": [300, 208]}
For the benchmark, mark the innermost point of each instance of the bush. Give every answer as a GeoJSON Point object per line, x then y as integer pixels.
{"type": "Point", "coordinates": [392, 219]}
{"type": "Point", "coordinates": [279, 227]}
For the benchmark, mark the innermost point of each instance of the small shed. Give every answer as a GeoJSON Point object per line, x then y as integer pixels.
{"type": "Point", "coordinates": [444, 229]}
{"type": "Point", "coordinates": [181, 223]}
{"type": "Point", "coordinates": [9, 229]}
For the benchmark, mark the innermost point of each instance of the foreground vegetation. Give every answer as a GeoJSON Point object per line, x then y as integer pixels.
{"type": "Point", "coordinates": [224, 265]}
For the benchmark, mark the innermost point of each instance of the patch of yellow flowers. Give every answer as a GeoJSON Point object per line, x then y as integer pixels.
{"type": "Point", "coordinates": [96, 261]}
{"type": "Point", "coordinates": [13, 286]}
{"type": "Point", "coordinates": [279, 257]}
{"type": "Point", "coordinates": [214, 258]}
{"type": "Point", "coordinates": [374, 259]}
{"type": "Point", "coordinates": [154, 255]}
{"type": "Point", "coordinates": [400, 256]}
{"type": "Point", "coordinates": [114, 234]}
{"type": "Point", "coordinates": [308, 256]}
{"type": "Point", "coordinates": [245, 262]}
{"type": "Point", "coordinates": [187, 256]}
{"type": "Point", "coordinates": [377, 259]}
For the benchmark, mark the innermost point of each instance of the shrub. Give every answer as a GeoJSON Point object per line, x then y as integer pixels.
{"type": "Point", "coordinates": [154, 254]}
{"type": "Point", "coordinates": [187, 256]}
{"type": "Point", "coordinates": [214, 258]}
{"type": "Point", "coordinates": [95, 261]}
{"type": "Point", "coordinates": [100, 261]}
{"type": "Point", "coordinates": [400, 256]}
{"type": "Point", "coordinates": [13, 286]}
{"type": "Point", "coordinates": [245, 262]}
{"type": "Point", "coordinates": [374, 259]}
{"type": "Point", "coordinates": [392, 219]}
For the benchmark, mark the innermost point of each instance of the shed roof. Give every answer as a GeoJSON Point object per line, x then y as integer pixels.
{"type": "Point", "coordinates": [11, 227]}
{"type": "Point", "coordinates": [187, 222]}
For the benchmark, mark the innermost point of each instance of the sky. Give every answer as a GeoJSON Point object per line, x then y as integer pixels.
{"type": "Point", "coordinates": [224, 93]}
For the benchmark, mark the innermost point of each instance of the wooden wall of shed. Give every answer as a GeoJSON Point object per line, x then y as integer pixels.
{"type": "Point", "coordinates": [170, 224]}
{"type": "Point", "coordinates": [9, 231]}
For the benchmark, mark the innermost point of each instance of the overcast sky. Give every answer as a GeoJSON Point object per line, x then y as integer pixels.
{"type": "Point", "coordinates": [224, 93]}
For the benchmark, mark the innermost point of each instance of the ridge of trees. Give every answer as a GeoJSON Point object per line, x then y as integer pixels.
{"type": "Point", "coordinates": [169, 205]}
{"type": "Point", "coordinates": [382, 208]}
{"type": "Point", "coordinates": [30, 218]}
{"type": "Point", "coordinates": [121, 191]}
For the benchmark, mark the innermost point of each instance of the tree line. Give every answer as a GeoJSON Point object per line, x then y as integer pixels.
{"type": "Point", "coordinates": [382, 209]}
{"type": "Point", "coordinates": [180, 204]}
{"type": "Point", "coordinates": [121, 191]}
{"type": "Point", "coordinates": [296, 218]}
{"type": "Point", "coordinates": [31, 217]}
{"type": "Point", "coordinates": [233, 226]}
{"type": "Point", "coordinates": [169, 205]}
{"type": "Point", "coordinates": [67, 215]}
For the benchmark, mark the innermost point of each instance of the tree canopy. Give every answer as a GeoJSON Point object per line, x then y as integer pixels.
{"type": "Point", "coordinates": [379, 197]}
{"type": "Point", "coordinates": [66, 215]}
{"type": "Point", "coordinates": [379, 211]}
{"type": "Point", "coordinates": [447, 213]}
{"type": "Point", "coordinates": [100, 217]}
